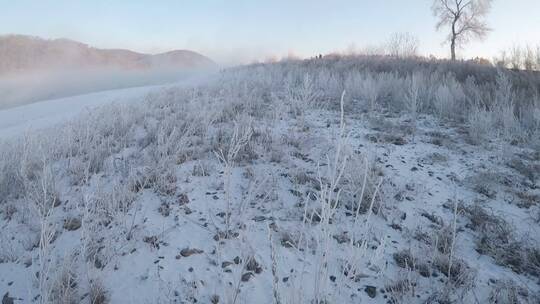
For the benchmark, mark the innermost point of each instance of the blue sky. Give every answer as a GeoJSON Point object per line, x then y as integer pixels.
{"type": "Point", "coordinates": [232, 31]}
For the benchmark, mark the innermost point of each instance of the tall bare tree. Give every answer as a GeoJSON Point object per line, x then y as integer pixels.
{"type": "Point", "coordinates": [465, 19]}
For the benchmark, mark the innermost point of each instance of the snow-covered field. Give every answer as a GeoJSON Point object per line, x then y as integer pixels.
{"type": "Point", "coordinates": [268, 185]}
{"type": "Point", "coordinates": [26, 118]}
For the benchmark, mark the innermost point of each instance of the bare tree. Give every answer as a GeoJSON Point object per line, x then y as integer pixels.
{"type": "Point", "coordinates": [516, 57]}
{"type": "Point", "coordinates": [465, 18]}
{"type": "Point", "coordinates": [528, 58]}
{"type": "Point", "coordinates": [403, 45]}
{"type": "Point", "coordinates": [520, 58]}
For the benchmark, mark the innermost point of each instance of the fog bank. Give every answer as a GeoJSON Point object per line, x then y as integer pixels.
{"type": "Point", "coordinates": [29, 87]}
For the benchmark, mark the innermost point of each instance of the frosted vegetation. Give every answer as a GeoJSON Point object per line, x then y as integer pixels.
{"type": "Point", "coordinates": [335, 180]}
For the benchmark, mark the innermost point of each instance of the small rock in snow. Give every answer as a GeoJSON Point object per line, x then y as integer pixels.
{"type": "Point", "coordinates": [371, 291]}
{"type": "Point", "coordinates": [72, 224]}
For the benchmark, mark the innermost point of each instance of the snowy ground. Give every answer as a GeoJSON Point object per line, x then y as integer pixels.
{"type": "Point", "coordinates": [195, 203]}
{"type": "Point", "coordinates": [46, 113]}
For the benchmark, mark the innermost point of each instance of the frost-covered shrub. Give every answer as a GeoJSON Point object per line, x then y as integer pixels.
{"type": "Point", "coordinates": [481, 124]}
{"type": "Point", "coordinates": [328, 84]}
{"type": "Point", "coordinates": [496, 238]}
{"type": "Point", "coordinates": [366, 87]}
{"type": "Point", "coordinates": [115, 201]}
{"type": "Point", "coordinates": [301, 97]}
{"type": "Point", "coordinates": [505, 292]}
{"type": "Point", "coordinates": [449, 99]}
{"type": "Point", "coordinates": [507, 120]}
{"type": "Point", "coordinates": [10, 183]}
{"type": "Point", "coordinates": [98, 293]}
{"type": "Point", "coordinates": [504, 107]}
{"type": "Point", "coordinates": [413, 95]}
{"type": "Point", "coordinates": [360, 185]}
{"type": "Point", "coordinates": [392, 87]}
{"type": "Point", "coordinates": [354, 84]}
{"type": "Point", "coordinates": [64, 288]}
{"type": "Point", "coordinates": [443, 101]}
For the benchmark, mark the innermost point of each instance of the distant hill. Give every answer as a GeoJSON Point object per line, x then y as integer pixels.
{"type": "Point", "coordinates": [19, 53]}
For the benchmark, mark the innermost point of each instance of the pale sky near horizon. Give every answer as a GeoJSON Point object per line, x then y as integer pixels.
{"type": "Point", "coordinates": [240, 31]}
